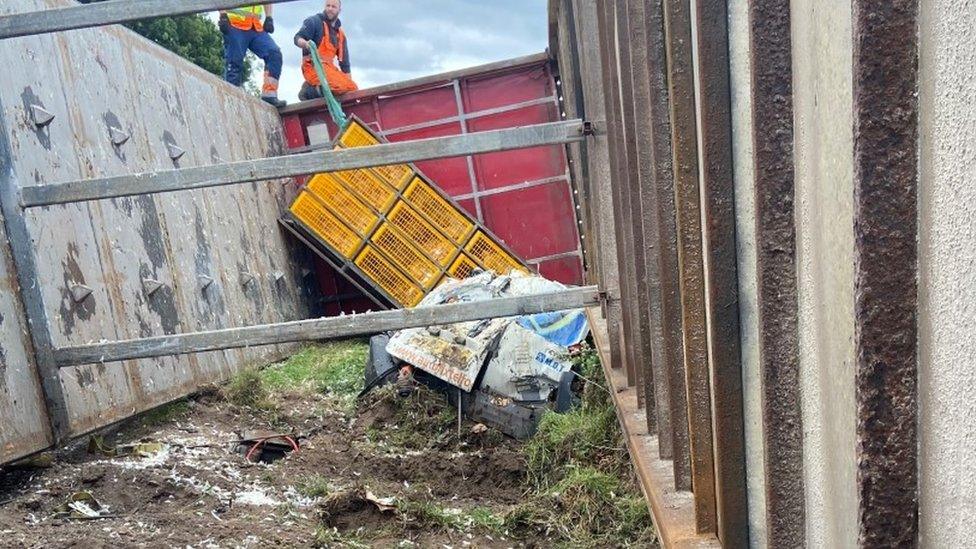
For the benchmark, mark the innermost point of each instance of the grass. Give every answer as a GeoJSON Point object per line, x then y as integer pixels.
{"type": "Point", "coordinates": [427, 515]}
{"type": "Point", "coordinates": [332, 537]}
{"type": "Point", "coordinates": [332, 369]}
{"type": "Point", "coordinates": [166, 413]}
{"type": "Point", "coordinates": [585, 494]}
{"type": "Point", "coordinates": [317, 486]}
{"type": "Point", "coordinates": [247, 389]}
{"type": "Point", "coordinates": [423, 420]}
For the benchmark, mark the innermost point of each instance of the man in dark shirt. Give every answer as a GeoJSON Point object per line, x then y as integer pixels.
{"type": "Point", "coordinates": [325, 30]}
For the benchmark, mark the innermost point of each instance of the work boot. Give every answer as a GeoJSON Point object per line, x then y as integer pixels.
{"type": "Point", "coordinates": [273, 101]}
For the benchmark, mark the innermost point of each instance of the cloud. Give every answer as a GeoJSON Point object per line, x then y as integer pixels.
{"type": "Point", "coordinates": [393, 40]}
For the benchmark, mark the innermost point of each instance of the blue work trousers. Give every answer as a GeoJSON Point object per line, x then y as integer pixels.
{"type": "Point", "coordinates": [236, 44]}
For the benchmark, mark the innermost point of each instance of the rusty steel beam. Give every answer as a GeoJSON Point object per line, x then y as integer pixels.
{"type": "Point", "coordinates": [631, 50]}
{"type": "Point", "coordinates": [657, 390]}
{"type": "Point", "coordinates": [772, 113]}
{"type": "Point", "coordinates": [666, 299]}
{"type": "Point", "coordinates": [886, 267]}
{"type": "Point", "coordinates": [722, 305]}
{"type": "Point", "coordinates": [617, 177]}
{"type": "Point", "coordinates": [672, 511]}
{"type": "Point", "coordinates": [684, 134]}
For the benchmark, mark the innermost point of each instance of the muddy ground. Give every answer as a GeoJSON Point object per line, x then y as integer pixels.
{"type": "Point", "coordinates": [382, 472]}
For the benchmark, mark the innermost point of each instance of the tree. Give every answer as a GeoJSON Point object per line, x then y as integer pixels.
{"type": "Point", "coordinates": [193, 37]}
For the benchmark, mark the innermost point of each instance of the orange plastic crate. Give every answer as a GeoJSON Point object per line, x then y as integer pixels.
{"type": "Point", "coordinates": [491, 255]}
{"type": "Point", "coordinates": [442, 213]}
{"type": "Point", "coordinates": [357, 135]}
{"type": "Point", "coordinates": [345, 204]}
{"type": "Point", "coordinates": [399, 250]}
{"type": "Point", "coordinates": [462, 267]}
{"type": "Point", "coordinates": [386, 276]}
{"type": "Point", "coordinates": [422, 234]}
{"type": "Point", "coordinates": [325, 225]}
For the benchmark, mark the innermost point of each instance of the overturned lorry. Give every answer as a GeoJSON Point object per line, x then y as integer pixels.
{"type": "Point", "coordinates": [140, 241]}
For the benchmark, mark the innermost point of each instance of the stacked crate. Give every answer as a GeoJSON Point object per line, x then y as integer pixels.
{"type": "Point", "coordinates": [394, 228]}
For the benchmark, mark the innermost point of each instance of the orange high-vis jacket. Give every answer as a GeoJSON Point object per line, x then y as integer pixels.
{"type": "Point", "coordinates": [339, 82]}
{"type": "Point", "coordinates": [247, 17]}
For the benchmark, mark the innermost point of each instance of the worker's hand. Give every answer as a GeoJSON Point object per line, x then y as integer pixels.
{"type": "Point", "coordinates": [269, 25]}
{"type": "Point", "coordinates": [303, 44]}
{"type": "Point", "coordinates": [223, 24]}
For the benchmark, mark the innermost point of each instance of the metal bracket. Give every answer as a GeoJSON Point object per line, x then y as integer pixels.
{"type": "Point", "coordinates": [118, 136]}
{"type": "Point", "coordinates": [278, 276]}
{"type": "Point", "coordinates": [40, 116]}
{"type": "Point", "coordinates": [79, 292]}
{"type": "Point", "coordinates": [175, 152]}
{"type": "Point", "coordinates": [151, 286]}
{"type": "Point", "coordinates": [593, 127]}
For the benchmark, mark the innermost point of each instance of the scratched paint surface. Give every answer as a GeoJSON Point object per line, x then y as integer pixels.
{"type": "Point", "coordinates": [146, 260]}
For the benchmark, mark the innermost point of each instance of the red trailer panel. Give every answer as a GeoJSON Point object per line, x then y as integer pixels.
{"type": "Point", "coordinates": [524, 196]}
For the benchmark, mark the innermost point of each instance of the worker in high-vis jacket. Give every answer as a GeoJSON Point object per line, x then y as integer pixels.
{"type": "Point", "coordinates": [250, 28]}
{"type": "Point", "coordinates": [325, 30]}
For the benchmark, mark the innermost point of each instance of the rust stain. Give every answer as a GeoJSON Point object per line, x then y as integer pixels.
{"type": "Point", "coordinates": [772, 77]}
{"type": "Point", "coordinates": [886, 270]}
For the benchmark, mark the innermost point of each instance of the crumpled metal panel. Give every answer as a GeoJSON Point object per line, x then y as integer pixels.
{"type": "Point", "coordinates": [143, 258]}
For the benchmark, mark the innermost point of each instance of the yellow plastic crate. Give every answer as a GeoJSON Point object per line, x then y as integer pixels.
{"type": "Point", "coordinates": [386, 276]}
{"type": "Point", "coordinates": [396, 175]}
{"type": "Point", "coordinates": [368, 187]}
{"type": "Point", "coordinates": [325, 225]}
{"type": "Point", "coordinates": [491, 255]}
{"type": "Point", "coordinates": [399, 250]}
{"type": "Point", "coordinates": [345, 204]}
{"type": "Point", "coordinates": [462, 267]}
{"type": "Point", "coordinates": [442, 213]}
{"type": "Point", "coordinates": [423, 235]}
{"type": "Point", "coordinates": [357, 135]}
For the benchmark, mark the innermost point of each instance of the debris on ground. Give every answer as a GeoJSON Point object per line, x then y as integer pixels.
{"type": "Point", "coordinates": [381, 471]}
{"type": "Point", "coordinates": [81, 506]}
{"type": "Point", "coordinates": [505, 372]}
{"type": "Point", "coordinates": [266, 447]}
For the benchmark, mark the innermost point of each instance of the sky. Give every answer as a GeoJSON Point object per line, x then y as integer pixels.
{"type": "Point", "coordinates": [393, 40]}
